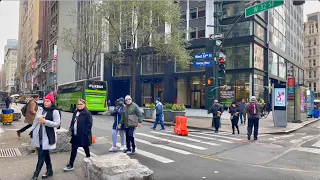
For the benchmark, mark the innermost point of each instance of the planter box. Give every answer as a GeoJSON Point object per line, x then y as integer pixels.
{"type": "Point", "coordinates": [148, 113]}
{"type": "Point", "coordinates": [167, 116]}
{"type": "Point", "coordinates": [177, 113]}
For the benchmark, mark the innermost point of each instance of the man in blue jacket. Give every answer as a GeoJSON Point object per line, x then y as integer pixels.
{"type": "Point", "coordinates": [159, 113]}
{"type": "Point", "coordinates": [117, 113]}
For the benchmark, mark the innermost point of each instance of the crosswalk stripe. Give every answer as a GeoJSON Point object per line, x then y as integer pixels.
{"type": "Point", "coordinates": [300, 139]}
{"type": "Point", "coordinates": [317, 144]}
{"type": "Point", "coordinates": [174, 142]}
{"type": "Point", "coordinates": [1, 130]}
{"type": "Point", "coordinates": [215, 135]}
{"type": "Point", "coordinates": [189, 139]}
{"type": "Point", "coordinates": [210, 138]}
{"type": "Point", "coordinates": [310, 150]}
{"type": "Point", "coordinates": [318, 127]}
{"type": "Point", "coordinates": [153, 156]}
{"type": "Point", "coordinates": [163, 147]}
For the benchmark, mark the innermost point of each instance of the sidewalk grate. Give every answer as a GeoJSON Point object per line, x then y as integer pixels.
{"type": "Point", "coordinates": [10, 152]}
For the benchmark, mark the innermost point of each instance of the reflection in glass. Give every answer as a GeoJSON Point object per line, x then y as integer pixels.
{"type": "Point", "coordinates": [258, 57]}
{"type": "Point", "coordinates": [241, 29]}
{"type": "Point", "coordinates": [259, 31]}
{"type": "Point", "coordinates": [282, 67]}
{"type": "Point", "coordinates": [238, 56]}
{"type": "Point", "coordinates": [258, 86]}
{"type": "Point", "coordinates": [273, 63]}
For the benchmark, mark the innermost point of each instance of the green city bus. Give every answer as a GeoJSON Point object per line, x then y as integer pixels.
{"type": "Point", "coordinates": [93, 91]}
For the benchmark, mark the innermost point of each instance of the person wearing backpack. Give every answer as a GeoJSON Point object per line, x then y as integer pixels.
{"type": "Point", "coordinates": [29, 111]}
{"type": "Point", "coordinates": [252, 109]}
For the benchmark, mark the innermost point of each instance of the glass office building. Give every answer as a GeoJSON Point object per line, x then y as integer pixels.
{"type": "Point", "coordinates": [263, 49]}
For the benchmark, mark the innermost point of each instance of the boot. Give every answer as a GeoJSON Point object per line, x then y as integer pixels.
{"type": "Point", "coordinates": [48, 173]}
{"type": "Point", "coordinates": [35, 175]}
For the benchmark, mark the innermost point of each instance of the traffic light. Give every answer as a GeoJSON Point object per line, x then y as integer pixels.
{"type": "Point", "coordinates": [222, 67]}
{"type": "Point", "coordinates": [210, 81]}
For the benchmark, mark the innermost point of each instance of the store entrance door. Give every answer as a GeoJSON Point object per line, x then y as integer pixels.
{"type": "Point", "coordinates": [196, 99]}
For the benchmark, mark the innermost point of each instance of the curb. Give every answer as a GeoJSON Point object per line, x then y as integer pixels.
{"type": "Point", "coordinates": [201, 128]}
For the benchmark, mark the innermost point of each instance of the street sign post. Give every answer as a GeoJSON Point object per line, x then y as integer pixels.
{"type": "Point", "coordinates": [250, 11]}
{"type": "Point", "coordinates": [202, 63]}
{"type": "Point", "coordinates": [203, 55]}
{"type": "Point", "coordinates": [216, 36]}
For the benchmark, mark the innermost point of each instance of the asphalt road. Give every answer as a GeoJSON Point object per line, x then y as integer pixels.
{"type": "Point", "coordinates": [205, 155]}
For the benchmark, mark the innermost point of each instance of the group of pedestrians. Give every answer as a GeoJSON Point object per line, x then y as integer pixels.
{"type": "Point", "coordinates": [238, 111]}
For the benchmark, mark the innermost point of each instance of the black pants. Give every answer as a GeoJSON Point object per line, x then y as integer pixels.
{"type": "Point", "coordinates": [25, 128]}
{"type": "Point", "coordinates": [253, 122]}
{"type": "Point", "coordinates": [234, 123]}
{"type": "Point", "coordinates": [216, 123]}
{"type": "Point", "coordinates": [43, 157]}
{"type": "Point", "coordinates": [130, 138]}
{"type": "Point", "coordinates": [74, 151]}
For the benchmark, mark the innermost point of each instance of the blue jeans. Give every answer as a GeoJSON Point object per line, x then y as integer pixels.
{"type": "Point", "coordinates": [158, 119]}
{"type": "Point", "coordinates": [241, 118]}
{"type": "Point", "coordinates": [114, 137]}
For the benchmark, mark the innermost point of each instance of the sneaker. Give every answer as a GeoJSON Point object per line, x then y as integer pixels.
{"type": "Point", "coordinates": [113, 149]}
{"type": "Point", "coordinates": [122, 148]}
{"type": "Point", "coordinates": [18, 133]}
{"type": "Point", "coordinates": [153, 128]}
{"type": "Point", "coordinates": [68, 168]}
{"type": "Point", "coordinates": [255, 138]}
{"type": "Point", "coordinates": [128, 151]}
{"type": "Point", "coordinates": [133, 152]}
{"type": "Point", "coordinates": [162, 129]}
{"type": "Point", "coordinates": [249, 136]}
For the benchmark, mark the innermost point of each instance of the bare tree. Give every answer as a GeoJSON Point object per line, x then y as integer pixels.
{"type": "Point", "coordinates": [131, 25]}
{"type": "Point", "coordinates": [85, 40]}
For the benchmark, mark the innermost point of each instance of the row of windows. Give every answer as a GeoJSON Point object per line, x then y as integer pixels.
{"type": "Point", "coordinates": [312, 64]}
{"type": "Point", "coordinates": [314, 42]}
{"type": "Point", "coordinates": [314, 50]}
{"type": "Point", "coordinates": [314, 86]}
{"type": "Point", "coordinates": [195, 13]}
{"type": "Point", "coordinates": [314, 74]}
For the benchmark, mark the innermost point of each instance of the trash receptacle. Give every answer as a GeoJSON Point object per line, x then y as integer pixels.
{"type": "Point", "coordinates": [7, 116]}
{"type": "Point", "coordinates": [316, 113]}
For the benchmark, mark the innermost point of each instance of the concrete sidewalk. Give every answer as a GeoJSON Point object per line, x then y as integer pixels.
{"type": "Point", "coordinates": [22, 166]}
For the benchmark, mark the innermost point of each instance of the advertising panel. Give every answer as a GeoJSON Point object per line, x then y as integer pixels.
{"type": "Point", "coordinates": [280, 97]}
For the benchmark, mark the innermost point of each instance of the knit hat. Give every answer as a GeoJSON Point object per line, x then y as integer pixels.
{"type": "Point", "coordinates": [127, 97]}
{"type": "Point", "coordinates": [50, 97]}
{"type": "Point", "coordinates": [121, 99]}
{"type": "Point", "coordinates": [158, 99]}
{"type": "Point", "coordinates": [253, 98]}
{"type": "Point", "coordinates": [234, 102]}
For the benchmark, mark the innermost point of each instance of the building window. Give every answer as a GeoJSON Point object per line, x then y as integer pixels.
{"type": "Point", "coordinates": [282, 68]}
{"type": "Point", "coordinates": [158, 64]}
{"type": "Point", "coordinates": [258, 57]}
{"type": "Point", "coordinates": [198, 32]}
{"type": "Point", "coordinates": [309, 62]}
{"type": "Point", "coordinates": [258, 86]}
{"type": "Point", "coordinates": [315, 74]}
{"type": "Point", "coordinates": [315, 87]}
{"type": "Point", "coordinates": [314, 51]}
{"type": "Point", "coordinates": [259, 31]}
{"type": "Point", "coordinates": [198, 12]}
{"type": "Point", "coordinates": [123, 68]}
{"type": "Point", "coordinates": [314, 62]}
{"type": "Point", "coordinates": [310, 53]}
{"type": "Point", "coordinates": [301, 77]}
{"type": "Point", "coordinates": [273, 63]}
{"type": "Point", "coordinates": [147, 64]}
{"type": "Point", "coordinates": [240, 29]}
{"type": "Point", "coordinates": [183, 15]}
{"type": "Point", "coordinates": [238, 56]}
{"type": "Point", "coordinates": [310, 85]}
{"type": "Point", "coordinates": [309, 74]}
{"type": "Point", "coordinates": [233, 9]}
{"type": "Point", "coordinates": [315, 41]}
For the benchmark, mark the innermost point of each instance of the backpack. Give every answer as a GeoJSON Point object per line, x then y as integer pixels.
{"type": "Point", "coordinates": [253, 109]}
{"type": "Point", "coordinates": [24, 109]}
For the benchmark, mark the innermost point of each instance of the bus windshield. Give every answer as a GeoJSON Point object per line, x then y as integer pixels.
{"type": "Point", "coordinates": [92, 91]}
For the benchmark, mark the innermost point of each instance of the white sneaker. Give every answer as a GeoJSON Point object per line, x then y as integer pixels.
{"type": "Point", "coordinates": [112, 149]}
{"type": "Point", "coordinates": [122, 148]}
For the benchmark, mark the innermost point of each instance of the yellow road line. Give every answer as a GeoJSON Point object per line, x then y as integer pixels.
{"type": "Point", "coordinates": [252, 165]}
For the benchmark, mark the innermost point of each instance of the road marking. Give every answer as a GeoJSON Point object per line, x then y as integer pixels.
{"type": "Point", "coordinates": [1, 130]}
{"type": "Point", "coordinates": [318, 127]}
{"type": "Point", "coordinates": [317, 144]}
{"type": "Point", "coordinates": [189, 139]}
{"type": "Point", "coordinates": [301, 139]}
{"type": "Point", "coordinates": [280, 137]}
{"type": "Point", "coordinates": [216, 135]}
{"type": "Point", "coordinates": [210, 138]}
{"type": "Point", "coordinates": [174, 142]}
{"type": "Point", "coordinates": [84, 154]}
{"type": "Point", "coordinates": [163, 147]}
{"type": "Point", "coordinates": [310, 150]}
{"type": "Point", "coordinates": [153, 156]}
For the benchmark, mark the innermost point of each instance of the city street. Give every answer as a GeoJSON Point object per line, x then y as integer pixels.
{"type": "Point", "coordinates": [204, 155]}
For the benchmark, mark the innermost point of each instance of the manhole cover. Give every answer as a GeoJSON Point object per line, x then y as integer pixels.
{"type": "Point", "coordinates": [10, 152]}
{"type": "Point", "coordinates": [160, 142]}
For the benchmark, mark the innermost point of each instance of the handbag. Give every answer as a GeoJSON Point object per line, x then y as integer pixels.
{"type": "Point", "coordinates": [134, 119]}
{"type": "Point", "coordinates": [231, 117]}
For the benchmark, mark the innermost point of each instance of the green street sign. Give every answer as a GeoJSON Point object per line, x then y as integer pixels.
{"type": "Point", "coordinates": [250, 11]}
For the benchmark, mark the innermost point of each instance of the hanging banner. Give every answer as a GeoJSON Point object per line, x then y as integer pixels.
{"type": "Point", "coordinates": [54, 66]}
{"type": "Point", "coordinates": [33, 63]}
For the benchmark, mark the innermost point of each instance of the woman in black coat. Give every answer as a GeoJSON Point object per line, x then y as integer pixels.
{"type": "Point", "coordinates": [234, 111]}
{"type": "Point", "coordinates": [80, 127]}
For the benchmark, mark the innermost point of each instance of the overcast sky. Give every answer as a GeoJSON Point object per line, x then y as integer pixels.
{"type": "Point", "coordinates": [9, 19]}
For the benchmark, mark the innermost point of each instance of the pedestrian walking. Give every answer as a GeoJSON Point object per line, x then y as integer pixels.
{"type": "Point", "coordinates": [81, 135]}
{"type": "Point", "coordinates": [242, 114]}
{"type": "Point", "coordinates": [234, 111]}
{"type": "Point", "coordinates": [44, 136]}
{"type": "Point", "coordinates": [131, 118]}
{"type": "Point", "coordinates": [216, 110]}
{"type": "Point", "coordinates": [8, 102]}
{"type": "Point", "coordinates": [159, 114]}
{"type": "Point", "coordinates": [30, 113]}
{"type": "Point", "coordinates": [109, 104]}
{"type": "Point", "coordinates": [253, 109]}
{"type": "Point", "coordinates": [117, 113]}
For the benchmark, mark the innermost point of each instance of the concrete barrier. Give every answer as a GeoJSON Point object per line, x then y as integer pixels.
{"type": "Point", "coordinates": [63, 141]}
{"type": "Point", "coordinates": [117, 166]}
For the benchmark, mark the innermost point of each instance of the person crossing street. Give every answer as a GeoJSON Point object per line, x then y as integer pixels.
{"type": "Point", "coordinates": [159, 114]}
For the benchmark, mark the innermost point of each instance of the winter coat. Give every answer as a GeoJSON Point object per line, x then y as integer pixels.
{"type": "Point", "coordinates": [35, 141]}
{"type": "Point", "coordinates": [242, 106]}
{"type": "Point", "coordinates": [159, 109]}
{"type": "Point", "coordinates": [117, 113]}
{"type": "Point", "coordinates": [32, 108]}
{"type": "Point", "coordinates": [131, 109]}
{"type": "Point", "coordinates": [84, 126]}
{"type": "Point", "coordinates": [233, 110]}
{"type": "Point", "coordinates": [214, 109]}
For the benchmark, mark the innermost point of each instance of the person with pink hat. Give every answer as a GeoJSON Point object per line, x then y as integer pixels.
{"type": "Point", "coordinates": [43, 134]}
